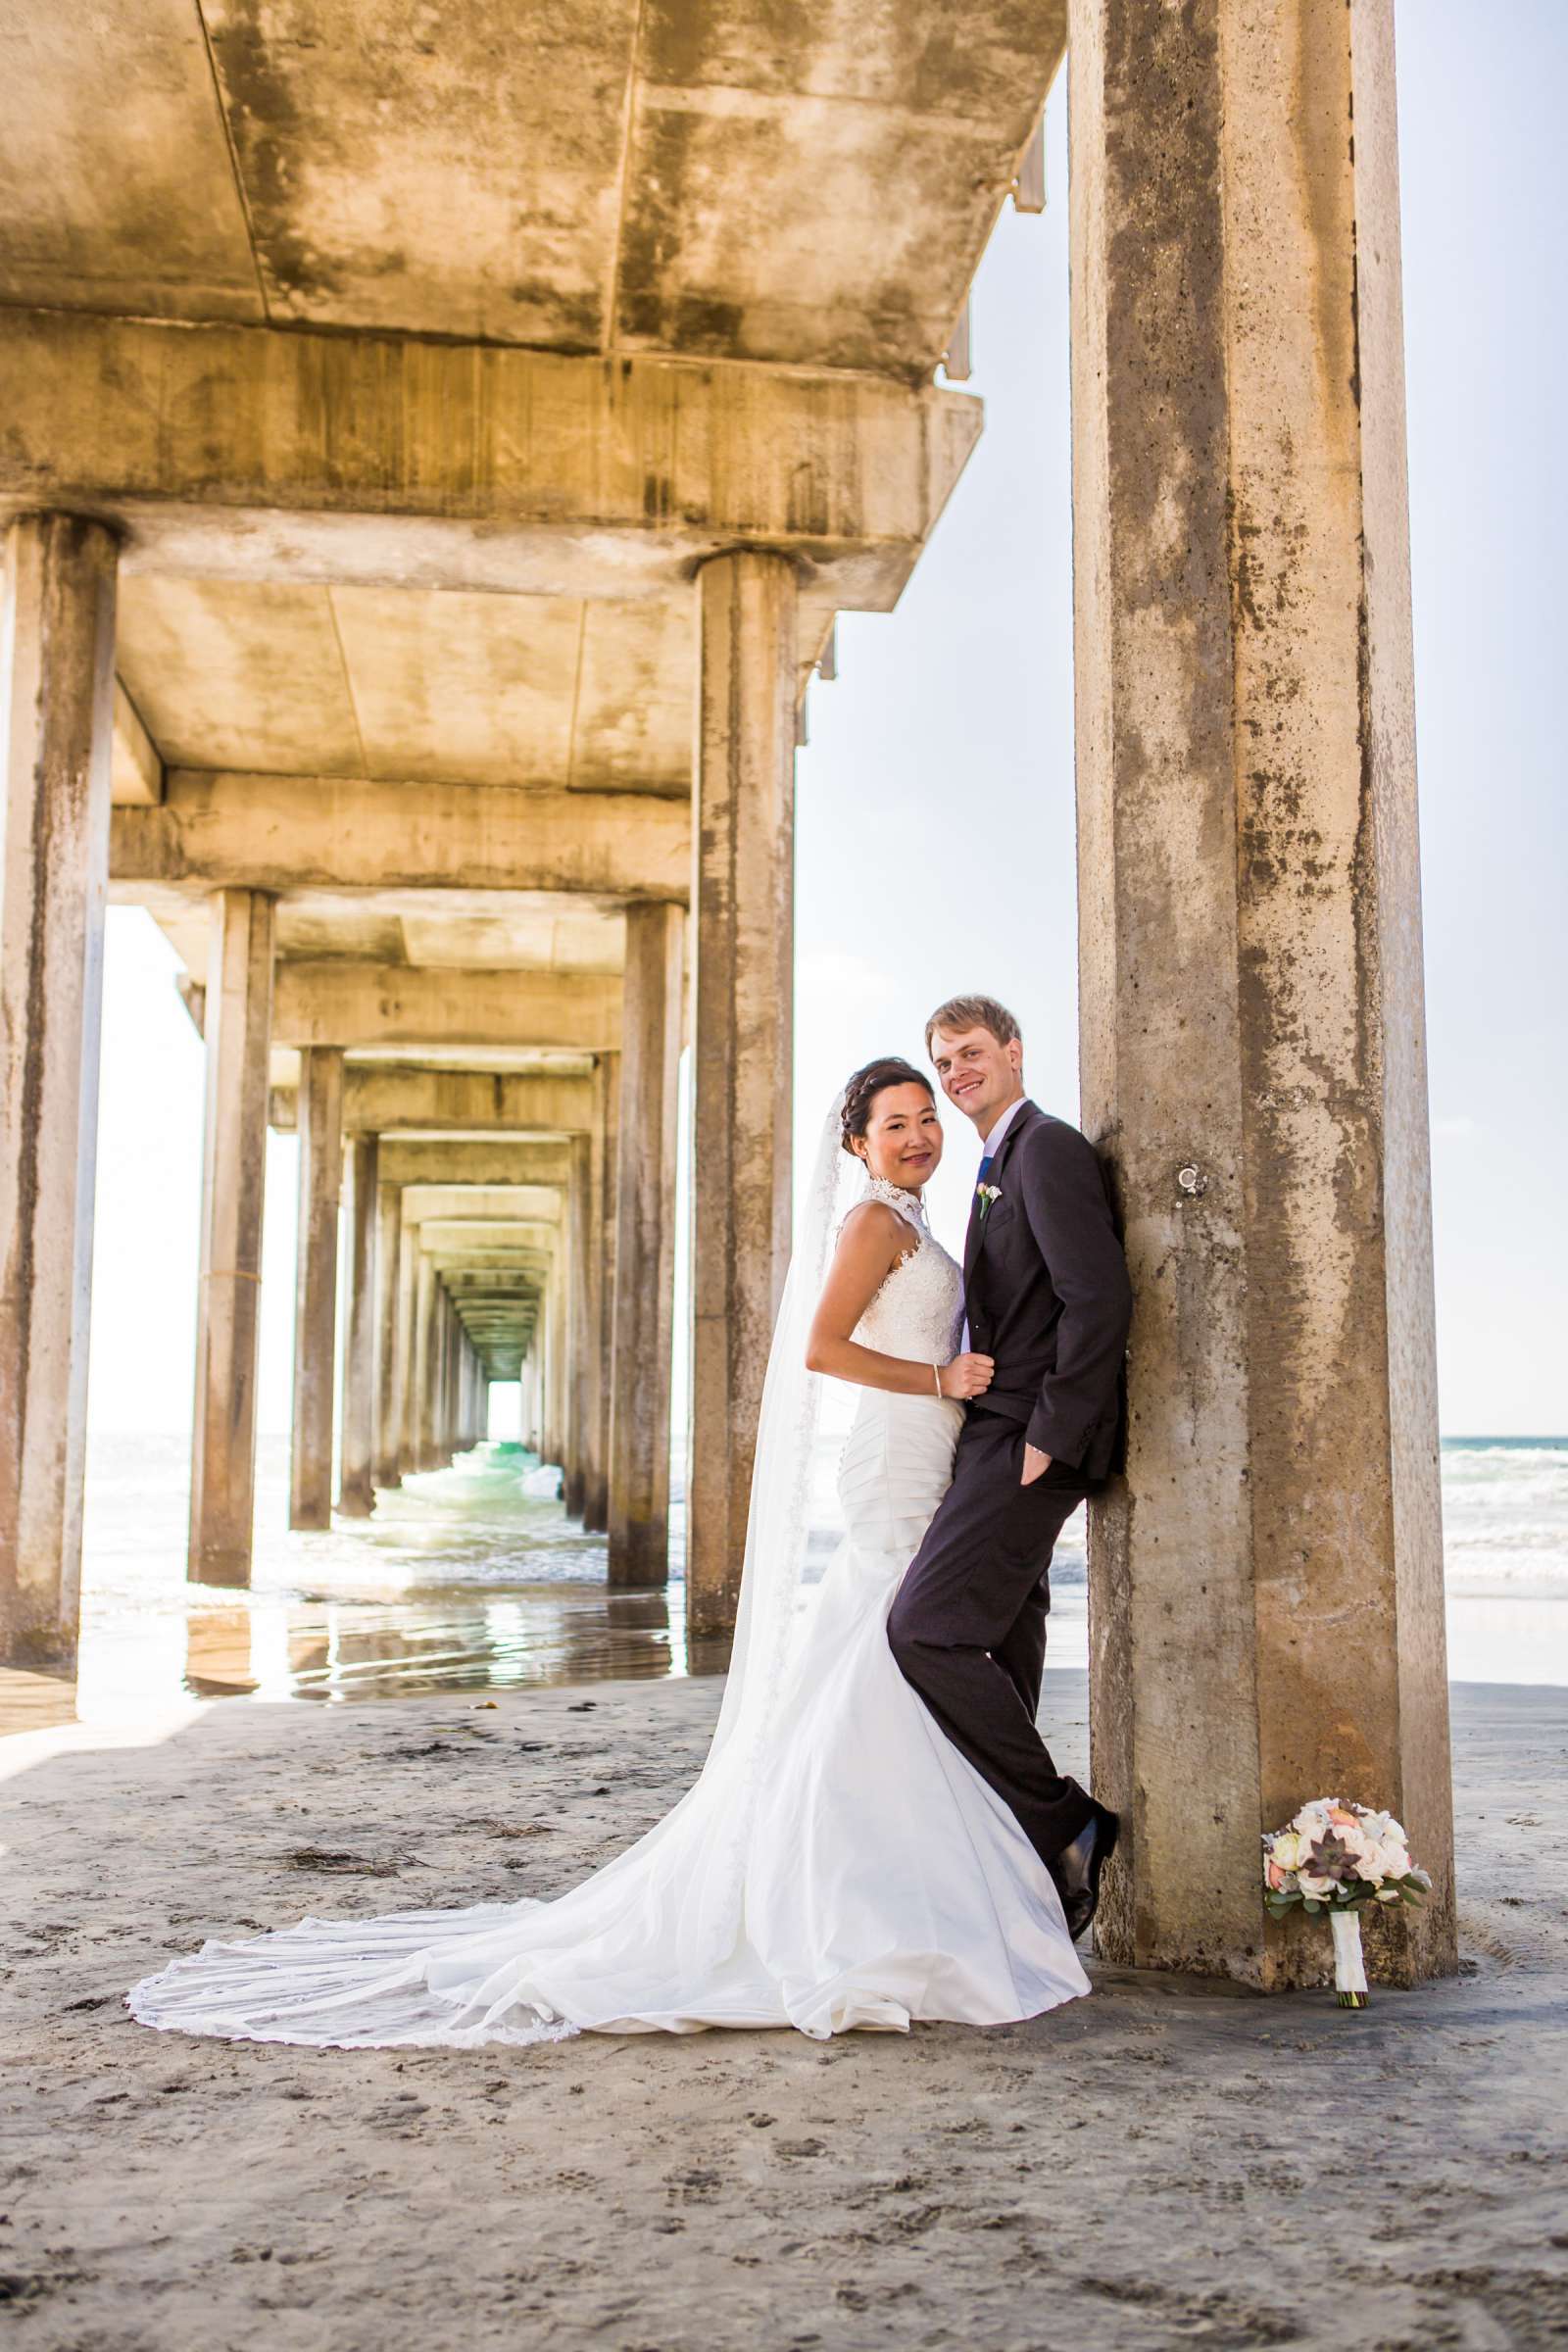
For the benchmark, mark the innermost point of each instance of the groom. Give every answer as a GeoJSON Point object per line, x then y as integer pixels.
{"type": "Point", "coordinates": [1047, 1296]}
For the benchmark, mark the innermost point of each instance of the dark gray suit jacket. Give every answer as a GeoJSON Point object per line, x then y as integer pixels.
{"type": "Point", "coordinates": [1046, 1294]}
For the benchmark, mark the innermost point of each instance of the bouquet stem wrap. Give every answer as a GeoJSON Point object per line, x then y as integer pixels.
{"type": "Point", "coordinates": [1349, 1969]}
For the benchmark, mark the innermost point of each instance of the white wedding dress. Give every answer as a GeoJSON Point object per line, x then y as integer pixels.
{"type": "Point", "coordinates": [838, 1864]}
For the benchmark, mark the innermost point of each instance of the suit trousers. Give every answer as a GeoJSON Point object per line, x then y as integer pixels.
{"type": "Point", "coordinates": [968, 1625]}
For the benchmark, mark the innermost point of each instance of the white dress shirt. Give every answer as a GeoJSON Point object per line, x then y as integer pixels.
{"type": "Point", "coordinates": [988, 1151]}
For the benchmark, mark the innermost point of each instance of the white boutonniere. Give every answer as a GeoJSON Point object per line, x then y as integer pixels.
{"type": "Point", "coordinates": [985, 1193]}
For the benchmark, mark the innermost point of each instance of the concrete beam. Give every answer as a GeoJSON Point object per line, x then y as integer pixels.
{"type": "Point", "coordinates": [257, 832]}
{"type": "Point", "coordinates": [135, 770]}
{"type": "Point", "coordinates": [477, 1241]}
{"type": "Point", "coordinates": [481, 1203]}
{"type": "Point", "coordinates": [265, 454]}
{"type": "Point", "coordinates": [491, 1283]}
{"type": "Point", "coordinates": [454, 1251]}
{"type": "Point", "coordinates": [396, 1100]}
{"type": "Point", "coordinates": [432, 1161]}
{"type": "Point", "coordinates": [347, 1004]}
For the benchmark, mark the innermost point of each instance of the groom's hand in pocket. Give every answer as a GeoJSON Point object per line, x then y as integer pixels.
{"type": "Point", "coordinates": [1035, 1465]}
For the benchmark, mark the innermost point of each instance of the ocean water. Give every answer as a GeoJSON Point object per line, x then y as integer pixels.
{"type": "Point", "coordinates": [471, 1579]}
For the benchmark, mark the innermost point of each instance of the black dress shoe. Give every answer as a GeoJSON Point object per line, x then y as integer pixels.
{"type": "Point", "coordinates": [1079, 1865]}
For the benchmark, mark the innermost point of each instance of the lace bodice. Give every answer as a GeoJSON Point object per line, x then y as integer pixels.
{"type": "Point", "coordinates": [918, 1311]}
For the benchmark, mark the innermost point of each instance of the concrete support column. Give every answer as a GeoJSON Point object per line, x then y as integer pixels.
{"type": "Point", "coordinates": [476, 1430]}
{"type": "Point", "coordinates": [1266, 1583]}
{"type": "Point", "coordinates": [556, 1361]}
{"type": "Point", "coordinates": [587, 1374]}
{"type": "Point", "coordinates": [645, 1247]}
{"type": "Point", "coordinates": [355, 1491]}
{"type": "Point", "coordinates": [443, 1382]}
{"type": "Point", "coordinates": [541, 1351]}
{"type": "Point", "coordinates": [606, 1127]}
{"type": "Point", "coordinates": [466, 1405]}
{"type": "Point", "coordinates": [385, 1468]}
{"type": "Point", "coordinates": [409, 1263]}
{"type": "Point", "coordinates": [321, 1117]}
{"type": "Point", "coordinates": [452, 1429]}
{"type": "Point", "coordinates": [237, 1032]}
{"type": "Point", "coordinates": [421, 1401]}
{"type": "Point", "coordinates": [57, 679]}
{"type": "Point", "coordinates": [742, 971]}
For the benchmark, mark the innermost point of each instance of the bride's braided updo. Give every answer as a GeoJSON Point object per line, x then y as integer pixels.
{"type": "Point", "coordinates": [861, 1091]}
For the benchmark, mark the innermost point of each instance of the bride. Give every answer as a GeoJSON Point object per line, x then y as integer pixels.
{"type": "Point", "coordinates": [838, 1864]}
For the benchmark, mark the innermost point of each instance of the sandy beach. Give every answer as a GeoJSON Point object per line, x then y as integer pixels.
{"type": "Point", "coordinates": [1166, 2162]}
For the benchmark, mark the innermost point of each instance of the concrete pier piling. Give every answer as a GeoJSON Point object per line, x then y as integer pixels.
{"type": "Point", "coordinates": [644, 1247]}
{"type": "Point", "coordinates": [1267, 1582]}
{"type": "Point", "coordinates": [743, 989]}
{"type": "Point", "coordinates": [432, 668]}
{"type": "Point", "coordinates": [237, 1032]}
{"type": "Point", "coordinates": [355, 1494]}
{"type": "Point", "coordinates": [57, 679]}
{"type": "Point", "coordinates": [320, 1187]}
{"type": "Point", "coordinates": [386, 1468]}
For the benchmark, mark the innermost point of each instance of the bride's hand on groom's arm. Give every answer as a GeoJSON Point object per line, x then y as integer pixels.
{"type": "Point", "coordinates": [965, 1376]}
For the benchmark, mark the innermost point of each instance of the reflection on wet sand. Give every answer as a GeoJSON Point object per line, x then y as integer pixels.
{"type": "Point", "coordinates": [467, 1580]}
{"type": "Point", "coordinates": [333, 1647]}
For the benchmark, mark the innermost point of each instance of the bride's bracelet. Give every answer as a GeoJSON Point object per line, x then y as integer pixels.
{"type": "Point", "coordinates": [936, 1374]}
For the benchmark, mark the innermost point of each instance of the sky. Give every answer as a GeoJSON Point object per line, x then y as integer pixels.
{"type": "Point", "coordinates": [935, 817]}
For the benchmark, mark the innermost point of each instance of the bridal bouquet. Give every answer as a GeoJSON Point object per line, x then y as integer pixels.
{"type": "Point", "coordinates": [1337, 1857]}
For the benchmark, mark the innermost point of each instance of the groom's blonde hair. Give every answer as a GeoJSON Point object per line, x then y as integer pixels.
{"type": "Point", "coordinates": [959, 1013]}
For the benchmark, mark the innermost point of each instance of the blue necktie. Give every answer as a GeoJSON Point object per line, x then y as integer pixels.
{"type": "Point", "coordinates": [985, 1167]}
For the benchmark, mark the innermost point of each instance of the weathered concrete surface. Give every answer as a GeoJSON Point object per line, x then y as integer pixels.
{"type": "Point", "coordinates": [541, 1204]}
{"type": "Point", "coordinates": [813, 186]}
{"type": "Point", "coordinates": [406, 1404]}
{"type": "Point", "coordinates": [589, 1370]}
{"type": "Point", "coordinates": [1142, 2170]}
{"type": "Point", "coordinates": [1268, 1583]}
{"type": "Point", "coordinates": [355, 1491]}
{"type": "Point", "coordinates": [135, 770]}
{"type": "Point", "coordinates": [412, 684]}
{"type": "Point", "coordinates": [645, 1247]}
{"type": "Point", "coordinates": [223, 455]}
{"type": "Point", "coordinates": [385, 1466]}
{"type": "Point", "coordinates": [460, 1246]}
{"type": "Point", "coordinates": [57, 650]}
{"type": "Point", "coordinates": [237, 1032]}
{"type": "Point", "coordinates": [335, 1002]}
{"type": "Point", "coordinates": [423, 1389]}
{"type": "Point", "coordinates": [267, 832]}
{"type": "Point", "coordinates": [604, 1144]}
{"type": "Point", "coordinates": [468, 1160]}
{"type": "Point", "coordinates": [320, 1187]}
{"type": "Point", "coordinates": [743, 991]}
{"type": "Point", "coordinates": [388, 1100]}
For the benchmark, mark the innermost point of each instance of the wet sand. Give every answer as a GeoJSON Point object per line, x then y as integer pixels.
{"type": "Point", "coordinates": [1164, 2162]}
